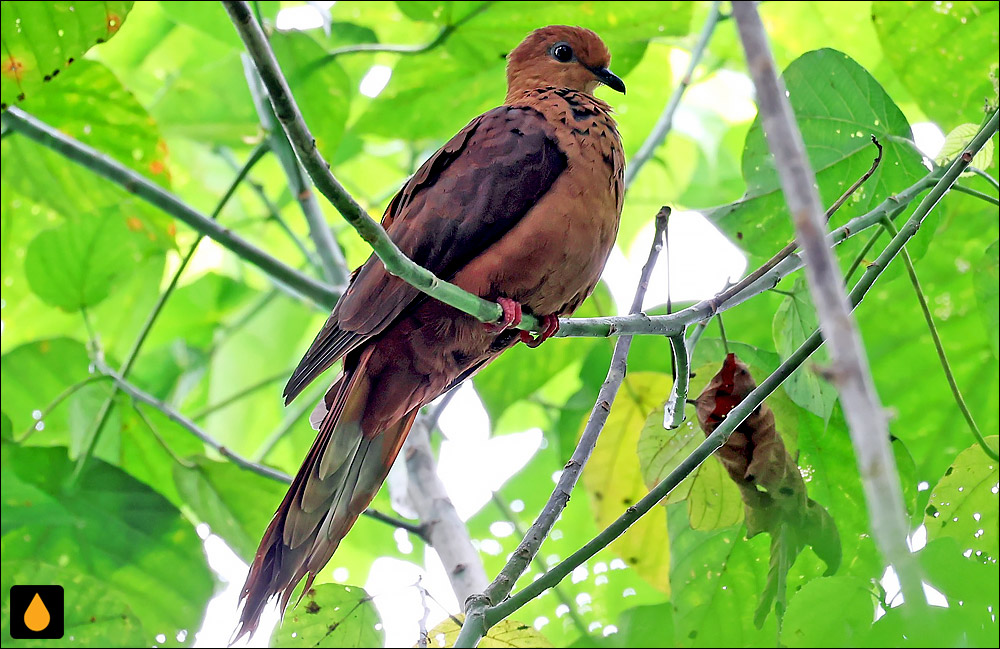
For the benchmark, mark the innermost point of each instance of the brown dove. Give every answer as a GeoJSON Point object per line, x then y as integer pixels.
{"type": "Point", "coordinates": [520, 207]}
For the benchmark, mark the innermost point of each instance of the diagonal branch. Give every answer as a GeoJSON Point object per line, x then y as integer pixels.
{"type": "Point", "coordinates": [330, 255]}
{"type": "Point", "coordinates": [139, 395]}
{"type": "Point", "coordinates": [475, 625]}
{"type": "Point", "coordinates": [17, 120]}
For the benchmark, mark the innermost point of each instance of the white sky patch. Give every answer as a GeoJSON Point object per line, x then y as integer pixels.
{"type": "Point", "coordinates": [928, 137]}
{"type": "Point", "coordinates": [375, 80]}
{"type": "Point", "coordinates": [701, 261]}
{"type": "Point", "coordinates": [306, 16]}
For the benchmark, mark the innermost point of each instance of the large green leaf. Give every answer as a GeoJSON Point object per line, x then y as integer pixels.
{"type": "Point", "coordinates": [75, 265]}
{"type": "Point", "coordinates": [829, 611]}
{"type": "Point", "coordinates": [795, 321]}
{"type": "Point", "coordinates": [40, 39]}
{"type": "Point", "coordinates": [963, 504]}
{"type": "Point", "coordinates": [715, 579]}
{"type": "Point", "coordinates": [331, 615]}
{"type": "Point", "coordinates": [943, 52]}
{"type": "Point", "coordinates": [93, 615]}
{"type": "Point", "coordinates": [613, 477]}
{"type": "Point", "coordinates": [110, 527]}
{"type": "Point", "coordinates": [838, 105]}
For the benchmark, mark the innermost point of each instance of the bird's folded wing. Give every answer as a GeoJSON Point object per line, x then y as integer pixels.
{"type": "Point", "coordinates": [461, 201]}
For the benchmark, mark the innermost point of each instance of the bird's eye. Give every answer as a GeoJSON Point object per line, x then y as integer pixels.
{"type": "Point", "coordinates": [562, 52]}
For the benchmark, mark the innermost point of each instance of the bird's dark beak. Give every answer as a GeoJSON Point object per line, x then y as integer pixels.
{"type": "Point", "coordinates": [608, 78]}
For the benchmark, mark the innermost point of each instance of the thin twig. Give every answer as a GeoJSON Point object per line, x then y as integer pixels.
{"type": "Point", "coordinates": [62, 396]}
{"type": "Point", "coordinates": [977, 194]}
{"type": "Point", "coordinates": [979, 172]}
{"type": "Point", "coordinates": [793, 245]}
{"type": "Point", "coordinates": [673, 411]}
{"type": "Point", "coordinates": [736, 417]}
{"type": "Point", "coordinates": [137, 184]}
{"type": "Point", "coordinates": [475, 626]}
{"type": "Point", "coordinates": [184, 422]}
{"type": "Point", "coordinates": [508, 514]}
{"type": "Point", "coordinates": [240, 394]}
{"type": "Point", "coordinates": [273, 212]}
{"type": "Point", "coordinates": [666, 119]}
{"type": "Point", "coordinates": [939, 346]}
{"type": "Point", "coordinates": [379, 48]}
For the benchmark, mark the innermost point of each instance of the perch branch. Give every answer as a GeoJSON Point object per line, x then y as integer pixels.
{"type": "Point", "coordinates": [302, 141]}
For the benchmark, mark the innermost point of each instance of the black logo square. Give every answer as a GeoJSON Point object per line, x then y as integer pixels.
{"type": "Point", "coordinates": [36, 612]}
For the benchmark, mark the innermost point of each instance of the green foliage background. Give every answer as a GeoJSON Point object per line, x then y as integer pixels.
{"type": "Point", "coordinates": [83, 263]}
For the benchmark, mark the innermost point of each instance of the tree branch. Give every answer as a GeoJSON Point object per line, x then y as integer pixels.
{"type": "Point", "coordinates": [379, 48]}
{"type": "Point", "coordinates": [666, 119]}
{"type": "Point", "coordinates": [673, 411]}
{"type": "Point", "coordinates": [134, 183]}
{"type": "Point", "coordinates": [736, 417]}
{"type": "Point", "coordinates": [475, 624]}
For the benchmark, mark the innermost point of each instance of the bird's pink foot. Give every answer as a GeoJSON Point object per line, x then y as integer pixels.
{"type": "Point", "coordinates": [550, 325]}
{"type": "Point", "coordinates": [511, 316]}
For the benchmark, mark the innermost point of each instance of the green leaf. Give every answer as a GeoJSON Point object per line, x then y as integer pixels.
{"type": "Point", "coordinates": [943, 53]}
{"type": "Point", "coordinates": [75, 265]}
{"type": "Point", "coordinates": [828, 612]}
{"type": "Point", "coordinates": [331, 615]}
{"type": "Point", "coordinates": [795, 321]}
{"type": "Point", "coordinates": [613, 477]}
{"type": "Point", "coordinates": [645, 626]}
{"type": "Point", "coordinates": [235, 503]}
{"type": "Point", "coordinates": [32, 376]}
{"type": "Point", "coordinates": [506, 633]}
{"type": "Point", "coordinates": [111, 527]}
{"type": "Point", "coordinates": [986, 279]}
{"type": "Point", "coordinates": [7, 429]}
{"type": "Point", "coordinates": [92, 106]}
{"type": "Point", "coordinates": [714, 501]}
{"type": "Point", "coordinates": [93, 615]}
{"type": "Point", "coordinates": [956, 141]}
{"type": "Point", "coordinates": [963, 504]}
{"type": "Point", "coordinates": [39, 39]}
{"type": "Point", "coordinates": [715, 578]}
{"type": "Point", "coordinates": [838, 106]}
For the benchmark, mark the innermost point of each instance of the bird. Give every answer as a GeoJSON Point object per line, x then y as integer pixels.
{"type": "Point", "coordinates": [521, 207]}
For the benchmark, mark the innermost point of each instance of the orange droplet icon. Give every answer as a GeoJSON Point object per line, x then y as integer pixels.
{"type": "Point", "coordinates": [36, 617]}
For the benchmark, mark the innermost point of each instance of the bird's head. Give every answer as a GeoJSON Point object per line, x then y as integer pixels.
{"type": "Point", "coordinates": [560, 56]}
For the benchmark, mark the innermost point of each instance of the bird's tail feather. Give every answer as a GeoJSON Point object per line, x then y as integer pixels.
{"type": "Point", "coordinates": [340, 476]}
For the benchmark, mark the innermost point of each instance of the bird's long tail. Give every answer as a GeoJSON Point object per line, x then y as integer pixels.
{"type": "Point", "coordinates": [339, 478]}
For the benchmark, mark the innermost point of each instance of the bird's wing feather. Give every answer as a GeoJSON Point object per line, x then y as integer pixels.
{"type": "Point", "coordinates": [462, 200]}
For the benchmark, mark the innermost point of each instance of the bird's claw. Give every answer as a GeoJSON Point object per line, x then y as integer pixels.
{"type": "Point", "coordinates": [550, 325]}
{"type": "Point", "coordinates": [511, 316]}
